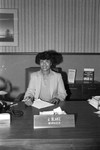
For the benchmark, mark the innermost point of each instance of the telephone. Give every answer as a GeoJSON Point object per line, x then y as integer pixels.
{"type": "Point", "coordinates": [5, 108]}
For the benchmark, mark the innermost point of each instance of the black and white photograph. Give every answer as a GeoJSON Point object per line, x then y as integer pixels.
{"type": "Point", "coordinates": [49, 74]}
{"type": "Point", "coordinates": [8, 27]}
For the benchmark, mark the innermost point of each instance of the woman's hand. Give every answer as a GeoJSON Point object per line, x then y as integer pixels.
{"type": "Point", "coordinates": [55, 101]}
{"type": "Point", "coordinates": [28, 101]}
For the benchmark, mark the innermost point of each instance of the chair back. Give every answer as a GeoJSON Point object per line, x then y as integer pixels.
{"type": "Point", "coordinates": [28, 72]}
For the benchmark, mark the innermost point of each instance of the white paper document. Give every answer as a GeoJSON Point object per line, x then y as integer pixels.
{"type": "Point", "coordinates": [95, 101]}
{"type": "Point", "coordinates": [97, 112]}
{"type": "Point", "coordinates": [56, 111]}
{"type": "Point", "coordinates": [38, 103]}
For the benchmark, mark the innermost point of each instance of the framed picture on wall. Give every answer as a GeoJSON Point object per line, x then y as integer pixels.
{"type": "Point", "coordinates": [8, 27]}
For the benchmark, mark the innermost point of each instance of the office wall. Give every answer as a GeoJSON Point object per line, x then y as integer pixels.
{"type": "Point", "coordinates": [62, 25]}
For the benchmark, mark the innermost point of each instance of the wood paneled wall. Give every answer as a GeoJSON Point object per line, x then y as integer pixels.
{"type": "Point", "coordinates": [67, 26]}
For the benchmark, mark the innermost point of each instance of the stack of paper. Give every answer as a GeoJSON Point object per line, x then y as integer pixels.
{"type": "Point", "coordinates": [95, 101]}
{"type": "Point", "coordinates": [56, 111]}
{"type": "Point", "coordinates": [97, 112]}
{"type": "Point", "coordinates": [38, 103]}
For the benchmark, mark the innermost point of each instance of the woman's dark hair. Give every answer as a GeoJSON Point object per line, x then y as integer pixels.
{"type": "Point", "coordinates": [43, 56]}
{"type": "Point", "coordinates": [55, 57]}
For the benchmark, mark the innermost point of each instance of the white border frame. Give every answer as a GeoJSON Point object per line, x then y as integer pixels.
{"type": "Point", "coordinates": [12, 11]}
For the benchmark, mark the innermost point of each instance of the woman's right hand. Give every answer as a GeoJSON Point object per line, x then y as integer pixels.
{"type": "Point", "coordinates": [28, 101]}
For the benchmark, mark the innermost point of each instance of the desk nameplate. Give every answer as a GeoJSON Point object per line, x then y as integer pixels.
{"type": "Point", "coordinates": [53, 121]}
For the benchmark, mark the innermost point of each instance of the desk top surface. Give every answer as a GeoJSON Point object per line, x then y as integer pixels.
{"type": "Point", "coordinates": [87, 123]}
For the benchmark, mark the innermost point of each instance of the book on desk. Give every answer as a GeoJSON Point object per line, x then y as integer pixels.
{"type": "Point", "coordinates": [88, 75]}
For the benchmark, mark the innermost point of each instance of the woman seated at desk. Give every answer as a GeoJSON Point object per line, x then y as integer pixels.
{"type": "Point", "coordinates": [45, 84]}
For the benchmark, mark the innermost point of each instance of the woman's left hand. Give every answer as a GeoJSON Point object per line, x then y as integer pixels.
{"type": "Point", "coordinates": [55, 101]}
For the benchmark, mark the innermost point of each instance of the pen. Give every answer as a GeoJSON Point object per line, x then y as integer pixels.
{"type": "Point", "coordinates": [13, 105]}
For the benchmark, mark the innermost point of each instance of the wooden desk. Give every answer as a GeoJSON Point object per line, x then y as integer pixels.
{"type": "Point", "coordinates": [85, 135]}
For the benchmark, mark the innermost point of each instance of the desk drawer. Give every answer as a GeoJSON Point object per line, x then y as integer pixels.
{"type": "Point", "coordinates": [76, 92]}
{"type": "Point", "coordinates": [90, 90]}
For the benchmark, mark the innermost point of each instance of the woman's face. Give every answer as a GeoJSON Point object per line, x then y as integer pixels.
{"type": "Point", "coordinates": [45, 65]}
